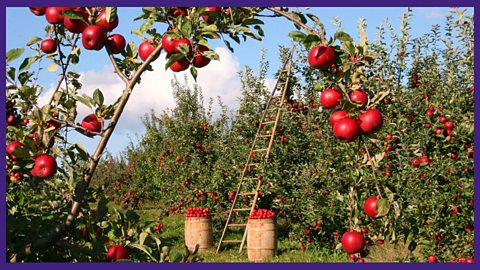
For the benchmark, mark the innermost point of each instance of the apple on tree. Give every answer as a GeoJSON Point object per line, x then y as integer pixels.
{"type": "Point", "coordinates": [12, 147]}
{"type": "Point", "coordinates": [38, 11]}
{"type": "Point", "coordinates": [54, 15]}
{"type": "Point", "coordinates": [360, 97]}
{"type": "Point", "coordinates": [116, 43]}
{"type": "Point", "coordinates": [145, 49]}
{"type": "Point", "coordinates": [48, 46]}
{"type": "Point", "coordinates": [92, 123]}
{"type": "Point", "coordinates": [346, 129]}
{"type": "Point", "coordinates": [321, 57]}
{"type": "Point", "coordinates": [45, 166]}
{"type": "Point", "coordinates": [209, 18]}
{"type": "Point", "coordinates": [199, 60]}
{"type": "Point", "coordinates": [76, 25]}
{"type": "Point", "coordinates": [116, 253]}
{"type": "Point", "coordinates": [93, 37]}
{"type": "Point", "coordinates": [330, 98]}
{"type": "Point", "coordinates": [352, 242]}
{"type": "Point", "coordinates": [371, 121]}
{"type": "Point", "coordinates": [107, 25]}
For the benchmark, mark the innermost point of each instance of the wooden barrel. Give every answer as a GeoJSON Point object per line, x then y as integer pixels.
{"type": "Point", "coordinates": [198, 230]}
{"type": "Point", "coordinates": [261, 239]}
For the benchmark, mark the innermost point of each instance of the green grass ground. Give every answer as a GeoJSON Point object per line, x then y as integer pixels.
{"type": "Point", "coordinates": [288, 251]}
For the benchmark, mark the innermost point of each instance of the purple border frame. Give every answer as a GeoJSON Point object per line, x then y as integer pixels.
{"type": "Point", "coordinates": [279, 266]}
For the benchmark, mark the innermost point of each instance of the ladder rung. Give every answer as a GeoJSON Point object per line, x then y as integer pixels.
{"type": "Point", "coordinates": [249, 193]}
{"type": "Point", "coordinates": [262, 149]}
{"type": "Point", "coordinates": [268, 122]}
{"type": "Point", "coordinates": [265, 135]}
{"type": "Point", "coordinates": [253, 164]}
{"type": "Point", "coordinates": [242, 209]}
{"type": "Point", "coordinates": [237, 225]}
{"type": "Point", "coordinates": [231, 241]}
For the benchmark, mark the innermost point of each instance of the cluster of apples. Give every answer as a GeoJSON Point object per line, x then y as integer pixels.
{"type": "Point", "coordinates": [345, 126]}
{"type": "Point", "coordinates": [45, 166]}
{"type": "Point", "coordinates": [198, 212]}
{"type": "Point", "coordinates": [93, 27]}
{"type": "Point", "coordinates": [261, 214]}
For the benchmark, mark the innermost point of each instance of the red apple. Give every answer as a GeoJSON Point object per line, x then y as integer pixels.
{"type": "Point", "coordinates": [116, 43]}
{"type": "Point", "coordinates": [145, 49]}
{"type": "Point", "coordinates": [168, 44]}
{"type": "Point", "coordinates": [183, 41]}
{"type": "Point", "coordinates": [54, 15]}
{"type": "Point", "coordinates": [102, 21]}
{"type": "Point", "coordinates": [93, 37]}
{"type": "Point", "coordinates": [352, 242]}
{"type": "Point", "coordinates": [45, 166]}
{"type": "Point", "coordinates": [211, 19]}
{"type": "Point", "coordinates": [359, 96]}
{"type": "Point", "coordinates": [75, 25]}
{"type": "Point", "coordinates": [117, 253]}
{"type": "Point", "coordinates": [180, 65]}
{"type": "Point", "coordinates": [48, 46]}
{"type": "Point", "coordinates": [39, 11]}
{"type": "Point", "coordinates": [92, 123]}
{"type": "Point", "coordinates": [330, 98]}
{"type": "Point", "coordinates": [321, 57]}
{"type": "Point", "coordinates": [337, 115]}
{"type": "Point", "coordinates": [346, 129]}
{"type": "Point", "coordinates": [179, 11]}
{"type": "Point", "coordinates": [11, 148]}
{"type": "Point", "coordinates": [371, 121]}
{"type": "Point", "coordinates": [432, 259]}
{"type": "Point", "coordinates": [370, 206]}
{"type": "Point", "coordinates": [199, 60]}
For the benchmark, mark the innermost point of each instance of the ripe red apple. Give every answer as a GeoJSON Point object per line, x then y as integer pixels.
{"type": "Point", "coordinates": [93, 37]}
{"type": "Point", "coordinates": [145, 49]}
{"type": "Point", "coordinates": [359, 96]}
{"type": "Point", "coordinates": [448, 125]}
{"type": "Point", "coordinates": [54, 15]}
{"type": "Point", "coordinates": [424, 159]}
{"type": "Point", "coordinates": [321, 57]}
{"type": "Point", "coordinates": [371, 121]}
{"type": "Point", "coordinates": [168, 44]}
{"type": "Point", "coordinates": [183, 41]}
{"type": "Point", "coordinates": [11, 148]}
{"type": "Point", "coordinates": [76, 26]}
{"type": "Point", "coordinates": [370, 206]}
{"type": "Point", "coordinates": [117, 253]}
{"type": "Point", "coordinates": [116, 43]}
{"type": "Point", "coordinates": [45, 166]}
{"type": "Point", "coordinates": [38, 11]}
{"type": "Point", "coordinates": [48, 46]}
{"type": "Point", "coordinates": [102, 21]}
{"type": "Point", "coordinates": [442, 119]}
{"type": "Point", "coordinates": [211, 19]}
{"type": "Point", "coordinates": [415, 162]}
{"type": "Point", "coordinates": [432, 259]}
{"type": "Point", "coordinates": [330, 98]}
{"type": "Point", "coordinates": [92, 123]}
{"type": "Point", "coordinates": [337, 115]}
{"type": "Point", "coordinates": [180, 65]}
{"type": "Point", "coordinates": [352, 242]}
{"type": "Point", "coordinates": [346, 129]}
{"type": "Point", "coordinates": [361, 260]}
{"type": "Point", "coordinates": [199, 60]}
{"type": "Point", "coordinates": [179, 11]}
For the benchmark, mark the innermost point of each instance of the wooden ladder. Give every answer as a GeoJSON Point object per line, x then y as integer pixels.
{"type": "Point", "coordinates": [263, 133]}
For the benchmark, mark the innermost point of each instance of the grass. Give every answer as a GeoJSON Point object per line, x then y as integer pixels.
{"type": "Point", "coordinates": [288, 251]}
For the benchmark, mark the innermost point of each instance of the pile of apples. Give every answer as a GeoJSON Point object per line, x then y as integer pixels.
{"type": "Point", "coordinates": [346, 126]}
{"type": "Point", "coordinates": [261, 214]}
{"type": "Point", "coordinates": [198, 212]}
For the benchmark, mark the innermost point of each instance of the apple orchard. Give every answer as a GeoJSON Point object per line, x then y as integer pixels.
{"type": "Point", "coordinates": [373, 152]}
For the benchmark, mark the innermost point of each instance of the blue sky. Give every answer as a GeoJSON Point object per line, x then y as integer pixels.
{"type": "Point", "coordinates": [94, 66]}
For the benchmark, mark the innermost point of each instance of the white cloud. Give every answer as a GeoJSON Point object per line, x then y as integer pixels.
{"type": "Point", "coordinates": [432, 13]}
{"type": "Point", "coordinates": [219, 78]}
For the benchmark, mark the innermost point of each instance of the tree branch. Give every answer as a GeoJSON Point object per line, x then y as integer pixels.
{"type": "Point", "coordinates": [373, 171]}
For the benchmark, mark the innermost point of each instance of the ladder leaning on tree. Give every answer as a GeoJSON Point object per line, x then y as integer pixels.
{"type": "Point", "coordinates": [262, 144]}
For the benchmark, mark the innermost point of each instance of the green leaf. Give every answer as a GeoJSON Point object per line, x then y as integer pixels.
{"type": "Point", "coordinates": [98, 97]}
{"type": "Point", "coordinates": [173, 58]}
{"type": "Point", "coordinates": [211, 55]}
{"type": "Point", "coordinates": [110, 13]}
{"type": "Point", "coordinates": [194, 72]}
{"type": "Point", "coordinates": [184, 49]}
{"type": "Point", "coordinates": [252, 21]}
{"type": "Point", "coordinates": [138, 33]}
{"type": "Point", "coordinates": [14, 54]}
{"type": "Point", "coordinates": [143, 236]}
{"type": "Point", "coordinates": [186, 27]}
{"type": "Point", "coordinates": [342, 36]}
{"type": "Point", "coordinates": [11, 73]}
{"type": "Point", "coordinates": [210, 28]}
{"type": "Point", "coordinates": [132, 50]}
{"type": "Point", "coordinates": [33, 40]}
{"type": "Point", "coordinates": [383, 207]}
{"type": "Point", "coordinates": [72, 15]}
{"type": "Point", "coordinates": [28, 62]}
{"type": "Point", "coordinates": [297, 36]}
{"type": "Point", "coordinates": [82, 151]}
